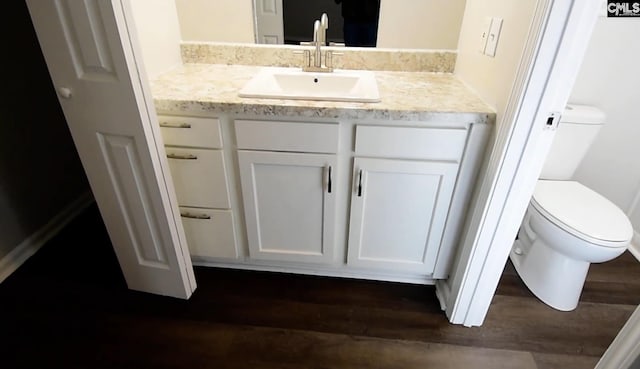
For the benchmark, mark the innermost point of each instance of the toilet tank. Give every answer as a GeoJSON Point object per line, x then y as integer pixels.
{"type": "Point", "coordinates": [576, 131]}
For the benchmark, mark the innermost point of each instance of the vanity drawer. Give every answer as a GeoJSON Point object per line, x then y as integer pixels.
{"type": "Point", "coordinates": [190, 132]}
{"type": "Point", "coordinates": [199, 177]}
{"type": "Point", "coordinates": [411, 142]}
{"type": "Point", "coordinates": [287, 136]}
{"type": "Point", "coordinates": [210, 233]}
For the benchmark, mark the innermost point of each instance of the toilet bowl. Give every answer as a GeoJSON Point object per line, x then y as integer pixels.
{"type": "Point", "coordinates": [567, 225]}
{"type": "Point", "coordinates": [566, 228]}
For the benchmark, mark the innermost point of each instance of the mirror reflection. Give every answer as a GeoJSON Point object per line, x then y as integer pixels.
{"type": "Point", "coordinates": [353, 22]}
{"type": "Point", "coordinates": [360, 21]}
{"type": "Point", "coordinates": [401, 24]}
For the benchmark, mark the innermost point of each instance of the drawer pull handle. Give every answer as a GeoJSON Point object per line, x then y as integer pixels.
{"type": "Point", "coordinates": [175, 125]}
{"type": "Point", "coordinates": [360, 183]}
{"type": "Point", "coordinates": [329, 181]}
{"type": "Point", "coordinates": [195, 216]}
{"type": "Point", "coordinates": [182, 156]}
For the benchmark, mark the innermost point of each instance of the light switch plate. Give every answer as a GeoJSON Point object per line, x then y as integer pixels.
{"type": "Point", "coordinates": [494, 35]}
{"type": "Point", "coordinates": [484, 35]}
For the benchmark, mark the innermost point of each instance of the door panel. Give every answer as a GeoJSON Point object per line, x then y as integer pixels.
{"type": "Point", "coordinates": [398, 212]}
{"type": "Point", "coordinates": [269, 21]}
{"type": "Point", "coordinates": [109, 110]}
{"type": "Point", "coordinates": [86, 36]}
{"type": "Point", "coordinates": [132, 197]}
{"type": "Point", "coordinates": [289, 210]}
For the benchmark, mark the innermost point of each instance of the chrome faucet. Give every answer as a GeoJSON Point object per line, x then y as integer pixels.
{"type": "Point", "coordinates": [319, 39]}
{"type": "Point", "coordinates": [318, 31]}
{"type": "Point", "coordinates": [322, 29]}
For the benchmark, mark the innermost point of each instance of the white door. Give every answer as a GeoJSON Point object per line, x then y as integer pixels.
{"type": "Point", "coordinates": [289, 202]}
{"type": "Point", "coordinates": [398, 213]}
{"type": "Point", "coordinates": [92, 57]}
{"type": "Point", "coordinates": [269, 21]}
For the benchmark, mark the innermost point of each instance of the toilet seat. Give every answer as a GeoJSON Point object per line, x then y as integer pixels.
{"type": "Point", "coordinates": [582, 212]}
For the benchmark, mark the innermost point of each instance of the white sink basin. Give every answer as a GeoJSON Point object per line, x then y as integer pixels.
{"type": "Point", "coordinates": [293, 83]}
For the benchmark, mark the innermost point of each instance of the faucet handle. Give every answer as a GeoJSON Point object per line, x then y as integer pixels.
{"type": "Point", "coordinates": [328, 58]}
{"type": "Point", "coordinates": [307, 56]}
{"type": "Point", "coordinates": [337, 44]}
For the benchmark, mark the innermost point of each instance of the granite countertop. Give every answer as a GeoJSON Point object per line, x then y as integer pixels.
{"type": "Point", "coordinates": [213, 88]}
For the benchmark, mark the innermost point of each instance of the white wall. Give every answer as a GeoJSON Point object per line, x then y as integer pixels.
{"type": "Point", "coordinates": [609, 79]}
{"type": "Point", "coordinates": [219, 20]}
{"type": "Point", "coordinates": [158, 34]}
{"type": "Point", "coordinates": [492, 78]}
{"type": "Point", "coordinates": [420, 24]}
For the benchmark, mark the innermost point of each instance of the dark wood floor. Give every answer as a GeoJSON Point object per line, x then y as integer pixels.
{"type": "Point", "coordinates": [68, 307]}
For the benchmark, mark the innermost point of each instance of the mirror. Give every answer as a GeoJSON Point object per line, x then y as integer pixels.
{"type": "Point", "coordinates": [403, 24]}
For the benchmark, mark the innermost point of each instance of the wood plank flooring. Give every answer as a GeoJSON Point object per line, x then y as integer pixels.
{"type": "Point", "coordinates": [68, 307]}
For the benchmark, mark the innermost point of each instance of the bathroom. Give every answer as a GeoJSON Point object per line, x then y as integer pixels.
{"type": "Point", "coordinates": [35, 206]}
{"type": "Point", "coordinates": [585, 100]}
{"type": "Point", "coordinates": [392, 20]}
{"type": "Point", "coordinates": [492, 77]}
{"type": "Point", "coordinates": [501, 65]}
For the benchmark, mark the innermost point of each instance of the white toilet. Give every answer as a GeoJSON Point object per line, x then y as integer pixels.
{"type": "Point", "coordinates": [568, 226]}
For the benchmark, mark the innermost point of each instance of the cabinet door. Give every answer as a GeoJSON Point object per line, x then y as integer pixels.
{"type": "Point", "coordinates": [289, 202]}
{"type": "Point", "coordinates": [398, 213]}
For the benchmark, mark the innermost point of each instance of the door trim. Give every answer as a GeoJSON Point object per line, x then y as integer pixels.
{"type": "Point", "coordinates": [625, 348]}
{"type": "Point", "coordinates": [558, 39]}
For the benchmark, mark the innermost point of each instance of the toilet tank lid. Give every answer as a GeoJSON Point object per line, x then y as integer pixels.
{"type": "Point", "coordinates": [582, 114]}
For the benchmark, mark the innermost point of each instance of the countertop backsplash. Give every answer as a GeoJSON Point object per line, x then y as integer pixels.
{"type": "Point", "coordinates": [399, 60]}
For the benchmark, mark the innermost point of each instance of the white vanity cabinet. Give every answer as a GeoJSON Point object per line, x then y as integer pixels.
{"type": "Point", "coordinates": [287, 173]}
{"type": "Point", "coordinates": [380, 200]}
{"type": "Point", "coordinates": [196, 160]}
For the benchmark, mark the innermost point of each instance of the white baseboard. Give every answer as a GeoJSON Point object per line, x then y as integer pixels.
{"type": "Point", "coordinates": [21, 253]}
{"type": "Point", "coordinates": [634, 247]}
{"type": "Point", "coordinates": [266, 266]}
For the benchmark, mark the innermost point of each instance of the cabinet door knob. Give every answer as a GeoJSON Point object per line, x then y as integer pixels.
{"type": "Point", "coordinates": [329, 181]}
{"type": "Point", "coordinates": [360, 183]}
{"type": "Point", "coordinates": [65, 92]}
